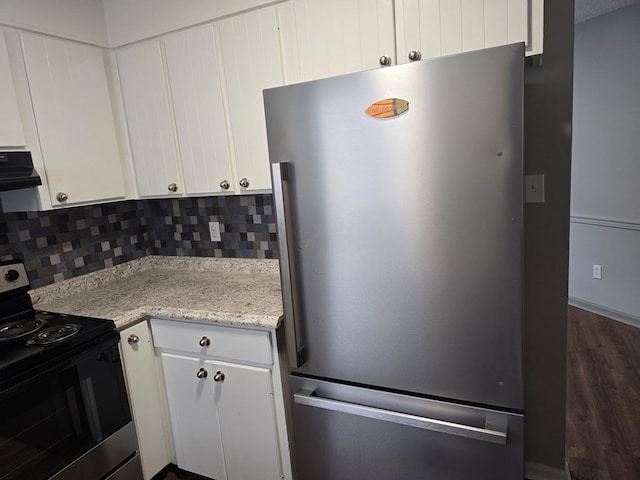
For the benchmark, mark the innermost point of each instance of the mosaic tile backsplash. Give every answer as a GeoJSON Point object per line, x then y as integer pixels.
{"type": "Point", "coordinates": [60, 244]}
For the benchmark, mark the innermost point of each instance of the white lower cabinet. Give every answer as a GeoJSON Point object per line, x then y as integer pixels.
{"type": "Point", "coordinates": [222, 403]}
{"type": "Point", "coordinates": [247, 422]}
{"type": "Point", "coordinates": [147, 398]}
{"type": "Point", "coordinates": [196, 430]}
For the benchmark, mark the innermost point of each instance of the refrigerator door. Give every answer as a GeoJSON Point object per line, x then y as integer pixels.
{"type": "Point", "coordinates": [404, 234]}
{"type": "Point", "coordinates": [347, 432]}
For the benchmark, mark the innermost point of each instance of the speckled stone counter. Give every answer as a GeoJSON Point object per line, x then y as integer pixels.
{"type": "Point", "coordinates": [231, 291]}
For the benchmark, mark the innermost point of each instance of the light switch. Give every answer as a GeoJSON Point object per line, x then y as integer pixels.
{"type": "Point", "coordinates": [534, 189]}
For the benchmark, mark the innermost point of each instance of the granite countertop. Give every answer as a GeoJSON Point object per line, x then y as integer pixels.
{"type": "Point", "coordinates": [230, 291]}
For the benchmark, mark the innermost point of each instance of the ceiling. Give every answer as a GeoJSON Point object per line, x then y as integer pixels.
{"type": "Point", "coordinates": [586, 9]}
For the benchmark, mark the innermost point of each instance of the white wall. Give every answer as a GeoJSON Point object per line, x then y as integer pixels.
{"type": "Point", "coordinates": [81, 20]}
{"type": "Point", "coordinates": [605, 197]}
{"type": "Point", "coordinates": [132, 20]}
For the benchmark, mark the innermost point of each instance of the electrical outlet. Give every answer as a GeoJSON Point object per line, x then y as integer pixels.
{"type": "Point", "coordinates": [214, 231]}
{"type": "Point", "coordinates": [597, 272]}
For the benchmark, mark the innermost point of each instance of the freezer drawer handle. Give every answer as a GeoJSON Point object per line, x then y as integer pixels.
{"type": "Point", "coordinates": [306, 397]}
{"type": "Point", "coordinates": [292, 328]}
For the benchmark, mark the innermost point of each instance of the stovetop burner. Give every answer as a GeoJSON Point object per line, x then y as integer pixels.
{"type": "Point", "coordinates": [33, 339]}
{"type": "Point", "coordinates": [58, 334]}
{"type": "Point", "coordinates": [55, 334]}
{"type": "Point", "coordinates": [18, 329]}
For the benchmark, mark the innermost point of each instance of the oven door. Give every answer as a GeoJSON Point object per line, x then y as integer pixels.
{"type": "Point", "coordinates": [54, 414]}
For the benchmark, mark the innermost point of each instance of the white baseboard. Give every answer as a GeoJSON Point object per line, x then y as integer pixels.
{"type": "Point", "coordinates": [537, 471]}
{"type": "Point", "coordinates": [605, 312]}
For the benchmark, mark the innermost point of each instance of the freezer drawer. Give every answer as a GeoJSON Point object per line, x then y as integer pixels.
{"type": "Point", "coordinates": [346, 432]}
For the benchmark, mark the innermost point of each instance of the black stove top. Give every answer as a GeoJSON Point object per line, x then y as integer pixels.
{"type": "Point", "coordinates": [31, 338]}
{"type": "Point", "coordinates": [43, 345]}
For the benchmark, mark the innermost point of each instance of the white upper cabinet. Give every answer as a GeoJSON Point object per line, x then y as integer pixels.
{"type": "Point", "coordinates": [322, 38]}
{"type": "Point", "coordinates": [198, 106]}
{"type": "Point", "coordinates": [74, 120]}
{"type": "Point", "coordinates": [149, 120]}
{"type": "Point", "coordinates": [433, 28]}
{"type": "Point", "coordinates": [130, 21]}
{"type": "Point", "coordinates": [11, 131]}
{"type": "Point", "coordinates": [193, 103]}
{"type": "Point", "coordinates": [251, 61]}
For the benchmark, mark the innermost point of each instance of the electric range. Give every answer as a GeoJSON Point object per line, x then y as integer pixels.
{"type": "Point", "coordinates": [61, 378]}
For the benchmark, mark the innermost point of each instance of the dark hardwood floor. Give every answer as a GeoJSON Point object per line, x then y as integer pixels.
{"type": "Point", "coordinates": [603, 398]}
{"type": "Point", "coordinates": [171, 472]}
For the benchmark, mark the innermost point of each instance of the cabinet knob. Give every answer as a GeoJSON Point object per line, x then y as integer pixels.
{"type": "Point", "coordinates": [172, 187]}
{"type": "Point", "coordinates": [202, 373]}
{"type": "Point", "coordinates": [224, 184]}
{"type": "Point", "coordinates": [385, 60]}
{"type": "Point", "coordinates": [219, 376]}
{"type": "Point", "coordinates": [415, 55]}
{"type": "Point", "coordinates": [204, 342]}
{"type": "Point", "coordinates": [244, 182]}
{"type": "Point", "coordinates": [133, 338]}
{"type": "Point", "coordinates": [62, 197]}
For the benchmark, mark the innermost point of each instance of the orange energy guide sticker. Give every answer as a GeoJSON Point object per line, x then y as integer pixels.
{"type": "Point", "coordinates": [387, 108]}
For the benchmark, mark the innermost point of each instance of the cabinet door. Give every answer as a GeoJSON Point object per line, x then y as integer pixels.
{"type": "Point", "coordinates": [244, 400]}
{"type": "Point", "coordinates": [75, 122]}
{"type": "Point", "coordinates": [148, 113]}
{"type": "Point", "coordinates": [196, 432]}
{"type": "Point", "coordinates": [11, 132]}
{"type": "Point", "coordinates": [444, 27]}
{"type": "Point", "coordinates": [146, 396]}
{"type": "Point", "coordinates": [322, 38]}
{"type": "Point", "coordinates": [196, 93]}
{"type": "Point", "coordinates": [252, 62]}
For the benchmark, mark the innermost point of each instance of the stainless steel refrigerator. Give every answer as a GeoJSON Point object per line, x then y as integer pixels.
{"type": "Point", "coordinates": [398, 197]}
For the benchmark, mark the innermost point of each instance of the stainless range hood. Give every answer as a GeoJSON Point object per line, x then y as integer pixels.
{"type": "Point", "coordinates": [16, 171]}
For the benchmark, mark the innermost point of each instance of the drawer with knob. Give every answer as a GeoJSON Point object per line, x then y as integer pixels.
{"type": "Point", "coordinates": [253, 346]}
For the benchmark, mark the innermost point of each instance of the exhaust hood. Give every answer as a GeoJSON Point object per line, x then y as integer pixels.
{"type": "Point", "coordinates": [16, 171]}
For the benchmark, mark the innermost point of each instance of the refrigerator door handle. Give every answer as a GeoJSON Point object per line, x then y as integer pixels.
{"type": "Point", "coordinates": [292, 329]}
{"type": "Point", "coordinates": [495, 431]}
